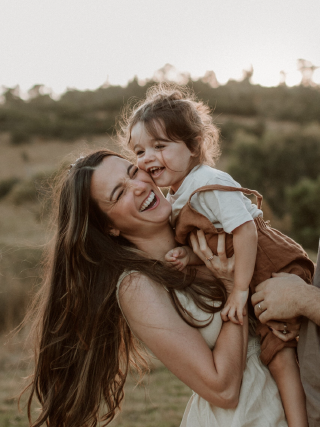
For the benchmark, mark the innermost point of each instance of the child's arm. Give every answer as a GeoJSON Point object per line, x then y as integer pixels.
{"type": "Point", "coordinates": [245, 240]}
{"type": "Point", "coordinates": [182, 256]}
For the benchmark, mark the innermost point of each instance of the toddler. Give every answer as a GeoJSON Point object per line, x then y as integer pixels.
{"type": "Point", "coordinates": [176, 142]}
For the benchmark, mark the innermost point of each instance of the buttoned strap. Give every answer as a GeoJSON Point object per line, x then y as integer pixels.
{"type": "Point", "coordinates": [218, 187]}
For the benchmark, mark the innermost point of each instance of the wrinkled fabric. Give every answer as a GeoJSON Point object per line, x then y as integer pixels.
{"type": "Point", "coordinates": [259, 403]}
{"type": "Point", "coordinates": [276, 253]}
{"type": "Point", "coordinates": [224, 210]}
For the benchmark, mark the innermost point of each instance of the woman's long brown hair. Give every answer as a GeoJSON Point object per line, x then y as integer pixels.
{"type": "Point", "coordinates": [83, 346]}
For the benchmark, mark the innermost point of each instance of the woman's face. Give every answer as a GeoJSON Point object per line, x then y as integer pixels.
{"type": "Point", "coordinates": [129, 197]}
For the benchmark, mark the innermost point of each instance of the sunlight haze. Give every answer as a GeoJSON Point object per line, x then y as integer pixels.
{"type": "Point", "coordinates": [83, 44]}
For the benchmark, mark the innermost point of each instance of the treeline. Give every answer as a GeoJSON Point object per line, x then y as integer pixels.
{"type": "Point", "coordinates": [84, 113]}
{"type": "Point", "coordinates": [270, 137]}
{"type": "Point", "coordinates": [284, 165]}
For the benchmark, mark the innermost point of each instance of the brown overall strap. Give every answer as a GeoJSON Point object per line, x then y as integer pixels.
{"type": "Point", "coordinates": [227, 188]}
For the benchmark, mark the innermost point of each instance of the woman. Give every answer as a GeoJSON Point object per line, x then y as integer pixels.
{"type": "Point", "coordinates": [107, 290]}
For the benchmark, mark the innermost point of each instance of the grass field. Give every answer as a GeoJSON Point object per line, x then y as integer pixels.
{"type": "Point", "coordinates": [159, 403]}
{"type": "Point", "coordinates": [22, 234]}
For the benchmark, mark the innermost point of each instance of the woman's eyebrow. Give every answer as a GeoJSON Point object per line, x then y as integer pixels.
{"type": "Point", "coordinates": [120, 184]}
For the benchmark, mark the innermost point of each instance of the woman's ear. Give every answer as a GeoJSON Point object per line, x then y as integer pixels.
{"type": "Point", "coordinates": [114, 232]}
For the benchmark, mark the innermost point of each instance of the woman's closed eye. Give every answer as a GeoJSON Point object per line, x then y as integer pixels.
{"type": "Point", "coordinates": [125, 185]}
{"type": "Point", "coordinates": [120, 194]}
{"type": "Point", "coordinates": [134, 172]}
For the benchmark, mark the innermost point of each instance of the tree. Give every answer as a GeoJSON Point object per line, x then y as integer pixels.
{"type": "Point", "coordinates": [168, 73]}
{"type": "Point", "coordinates": [274, 162]}
{"type": "Point", "coordinates": [210, 78]}
{"type": "Point", "coordinates": [304, 205]}
{"type": "Point", "coordinates": [306, 69]}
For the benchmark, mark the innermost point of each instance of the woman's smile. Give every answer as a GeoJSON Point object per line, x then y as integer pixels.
{"type": "Point", "coordinates": [120, 187]}
{"type": "Point", "coordinates": [151, 202]}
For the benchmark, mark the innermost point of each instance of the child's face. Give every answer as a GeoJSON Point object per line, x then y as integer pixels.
{"type": "Point", "coordinates": [167, 162]}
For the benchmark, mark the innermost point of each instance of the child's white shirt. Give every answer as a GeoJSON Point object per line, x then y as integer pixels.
{"type": "Point", "coordinates": [225, 209]}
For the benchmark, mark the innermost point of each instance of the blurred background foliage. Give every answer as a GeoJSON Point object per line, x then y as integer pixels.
{"type": "Point", "coordinates": [270, 138]}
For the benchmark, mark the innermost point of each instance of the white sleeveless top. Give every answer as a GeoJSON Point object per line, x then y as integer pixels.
{"type": "Point", "coordinates": [259, 403]}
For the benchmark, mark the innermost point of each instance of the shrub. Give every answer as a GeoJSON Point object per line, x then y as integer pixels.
{"type": "Point", "coordinates": [19, 270]}
{"type": "Point", "coordinates": [304, 204]}
{"type": "Point", "coordinates": [7, 185]}
{"type": "Point", "coordinates": [30, 190]}
{"type": "Point", "coordinates": [274, 162]}
{"type": "Point", "coordinates": [19, 137]}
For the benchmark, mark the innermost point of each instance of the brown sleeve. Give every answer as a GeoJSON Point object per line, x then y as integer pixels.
{"type": "Point", "coordinates": [270, 344]}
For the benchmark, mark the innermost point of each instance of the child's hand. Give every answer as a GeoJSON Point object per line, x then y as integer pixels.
{"type": "Point", "coordinates": [178, 257]}
{"type": "Point", "coordinates": [234, 309]}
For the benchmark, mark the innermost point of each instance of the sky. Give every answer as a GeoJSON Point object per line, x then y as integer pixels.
{"type": "Point", "coordinates": [85, 43]}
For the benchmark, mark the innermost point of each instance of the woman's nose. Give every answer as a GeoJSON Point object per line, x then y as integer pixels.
{"type": "Point", "coordinates": [139, 186]}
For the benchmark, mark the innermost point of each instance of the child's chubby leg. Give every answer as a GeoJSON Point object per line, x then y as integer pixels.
{"type": "Point", "coordinates": [285, 370]}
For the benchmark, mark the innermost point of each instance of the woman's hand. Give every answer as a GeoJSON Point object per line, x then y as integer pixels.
{"type": "Point", "coordinates": [290, 327]}
{"type": "Point", "coordinates": [220, 265]}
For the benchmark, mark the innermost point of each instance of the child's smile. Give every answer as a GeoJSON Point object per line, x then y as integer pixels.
{"type": "Point", "coordinates": [155, 172]}
{"type": "Point", "coordinates": [167, 162]}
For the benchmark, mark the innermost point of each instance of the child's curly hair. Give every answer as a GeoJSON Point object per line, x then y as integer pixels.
{"type": "Point", "coordinates": [180, 116]}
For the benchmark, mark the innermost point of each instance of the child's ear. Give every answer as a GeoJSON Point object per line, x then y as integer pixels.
{"type": "Point", "coordinates": [114, 232]}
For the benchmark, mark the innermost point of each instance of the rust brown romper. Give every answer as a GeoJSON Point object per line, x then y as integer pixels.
{"type": "Point", "coordinates": [275, 253]}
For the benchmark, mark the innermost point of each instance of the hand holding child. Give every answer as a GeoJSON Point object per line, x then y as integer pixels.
{"type": "Point", "coordinates": [234, 309]}
{"type": "Point", "coordinates": [221, 266]}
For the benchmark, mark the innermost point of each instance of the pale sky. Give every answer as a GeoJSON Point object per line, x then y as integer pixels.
{"type": "Point", "coordinates": [83, 43]}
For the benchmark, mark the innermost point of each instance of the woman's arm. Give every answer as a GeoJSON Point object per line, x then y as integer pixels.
{"type": "Point", "coordinates": [215, 375]}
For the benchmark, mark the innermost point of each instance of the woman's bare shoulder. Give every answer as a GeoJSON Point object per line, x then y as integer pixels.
{"type": "Point", "coordinates": [134, 281]}
{"type": "Point", "coordinates": [138, 291]}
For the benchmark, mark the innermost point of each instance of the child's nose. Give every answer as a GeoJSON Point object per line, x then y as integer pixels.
{"type": "Point", "coordinates": [149, 156]}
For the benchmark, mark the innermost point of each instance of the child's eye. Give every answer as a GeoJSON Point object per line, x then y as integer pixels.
{"type": "Point", "coordinates": [139, 153]}
{"type": "Point", "coordinates": [159, 146]}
